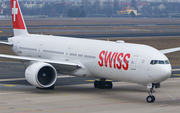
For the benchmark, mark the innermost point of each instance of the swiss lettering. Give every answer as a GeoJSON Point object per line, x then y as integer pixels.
{"type": "Point", "coordinates": [126, 62]}
{"type": "Point", "coordinates": [119, 60]}
{"type": "Point", "coordinates": [101, 58]}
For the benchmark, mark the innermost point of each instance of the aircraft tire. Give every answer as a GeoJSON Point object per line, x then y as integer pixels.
{"type": "Point", "coordinates": [96, 84]}
{"type": "Point", "coordinates": [102, 85]}
{"type": "Point", "coordinates": [110, 85]}
{"type": "Point", "coordinates": [150, 99]}
{"type": "Point", "coordinates": [153, 98]}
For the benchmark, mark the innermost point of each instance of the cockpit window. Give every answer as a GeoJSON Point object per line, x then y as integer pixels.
{"type": "Point", "coordinates": [161, 62]}
{"type": "Point", "coordinates": [153, 62]}
{"type": "Point", "coordinates": [167, 62]}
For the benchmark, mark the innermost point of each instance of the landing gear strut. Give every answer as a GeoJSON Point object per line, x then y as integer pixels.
{"type": "Point", "coordinates": [151, 98]}
{"type": "Point", "coordinates": [103, 84]}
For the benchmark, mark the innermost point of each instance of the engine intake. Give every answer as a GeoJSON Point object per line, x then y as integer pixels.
{"type": "Point", "coordinates": [41, 74]}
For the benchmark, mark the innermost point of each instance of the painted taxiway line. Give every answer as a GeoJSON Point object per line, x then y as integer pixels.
{"type": "Point", "coordinates": [11, 93]}
{"type": "Point", "coordinates": [14, 79]}
{"type": "Point", "coordinates": [176, 74]}
{"type": "Point", "coordinates": [175, 69]}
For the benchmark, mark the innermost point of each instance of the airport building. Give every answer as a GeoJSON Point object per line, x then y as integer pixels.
{"type": "Point", "coordinates": [95, 8]}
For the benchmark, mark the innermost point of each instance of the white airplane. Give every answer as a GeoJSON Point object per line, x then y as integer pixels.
{"type": "Point", "coordinates": [45, 56]}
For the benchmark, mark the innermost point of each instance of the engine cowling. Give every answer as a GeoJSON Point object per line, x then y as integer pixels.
{"type": "Point", "coordinates": [40, 74]}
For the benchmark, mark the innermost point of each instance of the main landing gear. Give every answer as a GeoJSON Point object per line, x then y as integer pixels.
{"type": "Point", "coordinates": [103, 84]}
{"type": "Point", "coordinates": [151, 98]}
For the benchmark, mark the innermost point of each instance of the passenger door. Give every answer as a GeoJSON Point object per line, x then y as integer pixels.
{"type": "Point", "coordinates": [134, 62]}
{"type": "Point", "coordinates": [67, 53]}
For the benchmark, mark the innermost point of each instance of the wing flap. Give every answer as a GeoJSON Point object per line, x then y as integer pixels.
{"type": "Point", "coordinates": [165, 51]}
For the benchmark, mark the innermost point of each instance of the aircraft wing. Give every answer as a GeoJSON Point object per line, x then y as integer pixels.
{"type": "Point", "coordinates": [61, 65]}
{"type": "Point", "coordinates": [165, 51]}
{"type": "Point", "coordinates": [6, 43]}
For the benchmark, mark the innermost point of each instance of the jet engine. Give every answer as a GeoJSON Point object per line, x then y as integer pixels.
{"type": "Point", "coordinates": [40, 74]}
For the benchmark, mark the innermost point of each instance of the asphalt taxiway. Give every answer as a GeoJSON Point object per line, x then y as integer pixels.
{"type": "Point", "coordinates": [77, 95]}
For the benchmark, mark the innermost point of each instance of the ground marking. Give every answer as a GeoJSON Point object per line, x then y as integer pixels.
{"type": "Point", "coordinates": [175, 69]}
{"type": "Point", "coordinates": [176, 74]}
{"type": "Point", "coordinates": [11, 93]}
{"type": "Point", "coordinates": [9, 85]}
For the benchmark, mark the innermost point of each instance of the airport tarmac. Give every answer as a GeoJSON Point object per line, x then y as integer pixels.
{"type": "Point", "coordinates": [77, 95]}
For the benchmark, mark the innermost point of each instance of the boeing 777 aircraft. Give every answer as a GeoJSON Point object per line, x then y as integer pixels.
{"type": "Point", "coordinates": [44, 56]}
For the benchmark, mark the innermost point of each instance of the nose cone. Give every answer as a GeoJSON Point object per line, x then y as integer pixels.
{"type": "Point", "coordinates": [165, 72]}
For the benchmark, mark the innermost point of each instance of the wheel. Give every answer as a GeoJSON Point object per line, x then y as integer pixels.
{"type": "Point", "coordinates": [150, 99]}
{"type": "Point", "coordinates": [102, 84]}
{"type": "Point", "coordinates": [153, 98]}
{"type": "Point", "coordinates": [96, 84]}
{"type": "Point", "coordinates": [109, 85]}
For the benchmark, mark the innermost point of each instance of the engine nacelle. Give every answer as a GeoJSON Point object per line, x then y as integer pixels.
{"type": "Point", "coordinates": [40, 74]}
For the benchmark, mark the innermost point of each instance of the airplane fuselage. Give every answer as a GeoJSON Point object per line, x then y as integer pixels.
{"type": "Point", "coordinates": [44, 56]}
{"type": "Point", "coordinates": [103, 59]}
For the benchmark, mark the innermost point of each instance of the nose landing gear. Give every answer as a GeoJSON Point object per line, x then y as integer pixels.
{"type": "Point", "coordinates": [151, 98]}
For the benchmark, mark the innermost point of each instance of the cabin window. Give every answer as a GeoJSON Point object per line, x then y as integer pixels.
{"type": "Point", "coordinates": [55, 52]}
{"type": "Point", "coordinates": [80, 55]}
{"type": "Point", "coordinates": [73, 54]}
{"type": "Point", "coordinates": [88, 56]}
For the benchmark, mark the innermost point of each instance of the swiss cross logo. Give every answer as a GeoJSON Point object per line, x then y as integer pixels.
{"type": "Point", "coordinates": [14, 10]}
{"type": "Point", "coordinates": [17, 19]}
